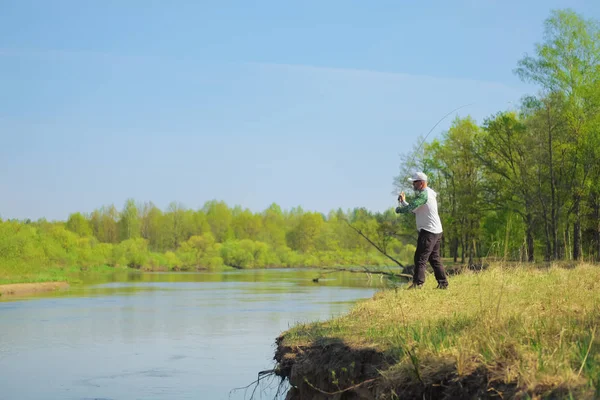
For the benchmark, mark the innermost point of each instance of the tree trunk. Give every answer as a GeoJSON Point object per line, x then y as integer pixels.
{"type": "Point", "coordinates": [554, 230]}
{"type": "Point", "coordinates": [548, 253]}
{"type": "Point", "coordinates": [529, 240]}
{"type": "Point", "coordinates": [454, 249]}
{"type": "Point", "coordinates": [443, 246]}
{"type": "Point", "coordinates": [553, 212]}
{"type": "Point", "coordinates": [597, 219]}
{"type": "Point", "coordinates": [568, 242]}
{"type": "Point", "coordinates": [545, 217]}
{"type": "Point", "coordinates": [577, 229]}
{"type": "Point", "coordinates": [462, 250]}
{"type": "Point", "coordinates": [469, 250]}
{"type": "Point", "coordinates": [530, 247]}
{"type": "Point", "coordinates": [598, 239]}
{"type": "Point", "coordinates": [506, 238]}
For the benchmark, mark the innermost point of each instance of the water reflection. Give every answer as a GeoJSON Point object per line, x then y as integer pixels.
{"type": "Point", "coordinates": [161, 335]}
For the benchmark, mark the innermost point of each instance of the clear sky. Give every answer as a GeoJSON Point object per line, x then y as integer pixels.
{"type": "Point", "coordinates": [302, 103]}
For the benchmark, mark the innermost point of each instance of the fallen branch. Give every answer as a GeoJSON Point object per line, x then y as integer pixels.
{"type": "Point", "coordinates": [366, 271]}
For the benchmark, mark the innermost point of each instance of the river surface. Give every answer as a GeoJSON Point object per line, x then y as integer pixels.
{"type": "Point", "coordinates": [169, 336]}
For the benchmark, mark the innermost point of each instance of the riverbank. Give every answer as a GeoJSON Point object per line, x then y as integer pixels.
{"type": "Point", "coordinates": [507, 332]}
{"type": "Point", "coordinates": [69, 274]}
{"type": "Point", "coordinates": [23, 289]}
{"type": "Point", "coordinates": [33, 275]}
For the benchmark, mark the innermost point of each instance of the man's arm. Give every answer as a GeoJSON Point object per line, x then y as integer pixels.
{"type": "Point", "coordinates": [419, 201]}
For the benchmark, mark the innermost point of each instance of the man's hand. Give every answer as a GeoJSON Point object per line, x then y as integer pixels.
{"type": "Point", "coordinates": [401, 197]}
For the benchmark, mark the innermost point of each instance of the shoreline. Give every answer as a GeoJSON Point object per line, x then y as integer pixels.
{"type": "Point", "coordinates": [499, 333]}
{"type": "Point", "coordinates": [21, 289]}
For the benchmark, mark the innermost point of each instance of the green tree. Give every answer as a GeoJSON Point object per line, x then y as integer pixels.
{"type": "Point", "coordinates": [238, 254]}
{"type": "Point", "coordinates": [273, 227]}
{"type": "Point", "coordinates": [460, 184]}
{"type": "Point", "coordinates": [129, 221]}
{"type": "Point", "coordinates": [104, 224]}
{"type": "Point", "coordinates": [174, 225]}
{"type": "Point", "coordinates": [545, 118]}
{"type": "Point", "coordinates": [219, 217]}
{"type": "Point", "coordinates": [79, 224]}
{"type": "Point", "coordinates": [568, 62]}
{"type": "Point", "coordinates": [245, 224]}
{"type": "Point", "coordinates": [304, 235]}
{"type": "Point", "coordinates": [152, 227]}
{"type": "Point", "coordinates": [504, 148]}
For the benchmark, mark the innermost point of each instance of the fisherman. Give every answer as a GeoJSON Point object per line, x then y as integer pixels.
{"type": "Point", "coordinates": [430, 231]}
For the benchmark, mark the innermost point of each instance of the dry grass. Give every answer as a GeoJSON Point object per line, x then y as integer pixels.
{"type": "Point", "coordinates": [536, 328]}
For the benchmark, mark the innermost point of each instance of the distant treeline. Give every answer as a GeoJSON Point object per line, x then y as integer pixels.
{"type": "Point", "coordinates": [142, 235]}
{"type": "Point", "coordinates": [526, 183]}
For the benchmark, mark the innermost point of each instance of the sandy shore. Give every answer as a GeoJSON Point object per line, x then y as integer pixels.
{"type": "Point", "coordinates": [31, 288]}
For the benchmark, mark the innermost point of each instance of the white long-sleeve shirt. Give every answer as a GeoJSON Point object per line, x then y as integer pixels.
{"type": "Point", "coordinates": [425, 209]}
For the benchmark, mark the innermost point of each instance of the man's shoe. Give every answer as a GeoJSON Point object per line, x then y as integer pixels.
{"type": "Point", "coordinates": [442, 286]}
{"type": "Point", "coordinates": [416, 286]}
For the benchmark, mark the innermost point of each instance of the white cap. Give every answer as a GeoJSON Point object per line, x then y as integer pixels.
{"type": "Point", "coordinates": [418, 176]}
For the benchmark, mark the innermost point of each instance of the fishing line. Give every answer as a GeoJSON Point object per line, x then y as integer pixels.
{"type": "Point", "coordinates": [436, 124]}
{"type": "Point", "coordinates": [431, 130]}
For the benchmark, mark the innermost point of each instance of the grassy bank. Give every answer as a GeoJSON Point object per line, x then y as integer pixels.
{"type": "Point", "coordinates": [33, 274]}
{"type": "Point", "coordinates": [533, 330]}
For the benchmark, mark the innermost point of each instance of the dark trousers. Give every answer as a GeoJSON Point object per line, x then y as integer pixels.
{"type": "Point", "coordinates": [428, 249]}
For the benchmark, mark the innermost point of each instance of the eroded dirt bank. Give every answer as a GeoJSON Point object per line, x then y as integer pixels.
{"type": "Point", "coordinates": [328, 366]}
{"type": "Point", "coordinates": [21, 289]}
{"type": "Point", "coordinates": [330, 369]}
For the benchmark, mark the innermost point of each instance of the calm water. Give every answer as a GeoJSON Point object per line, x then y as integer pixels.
{"type": "Point", "coordinates": [161, 335]}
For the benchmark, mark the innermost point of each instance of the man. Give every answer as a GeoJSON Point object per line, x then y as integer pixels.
{"type": "Point", "coordinates": [430, 231]}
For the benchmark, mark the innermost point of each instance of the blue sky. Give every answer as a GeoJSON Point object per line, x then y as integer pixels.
{"type": "Point", "coordinates": [300, 103]}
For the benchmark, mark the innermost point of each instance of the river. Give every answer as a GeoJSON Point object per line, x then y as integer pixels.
{"type": "Point", "coordinates": [134, 335]}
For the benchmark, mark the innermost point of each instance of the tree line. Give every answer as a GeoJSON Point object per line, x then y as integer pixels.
{"type": "Point", "coordinates": [525, 184]}
{"type": "Point", "coordinates": [141, 235]}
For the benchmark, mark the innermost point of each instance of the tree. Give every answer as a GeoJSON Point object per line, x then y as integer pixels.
{"type": "Point", "coordinates": [218, 216]}
{"type": "Point", "coordinates": [144, 211]}
{"type": "Point", "coordinates": [273, 227]}
{"type": "Point", "coordinates": [504, 150]}
{"type": "Point", "coordinates": [129, 221]}
{"type": "Point", "coordinates": [245, 224]}
{"type": "Point", "coordinates": [104, 224]}
{"type": "Point", "coordinates": [175, 225]}
{"type": "Point", "coordinates": [544, 117]}
{"type": "Point", "coordinates": [152, 227]}
{"type": "Point", "coordinates": [459, 183]}
{"type": "Point", "coordinates": [568, 62]}
{"type": "Point", "coordinates": [304, 235]}
{"type": "Point", "coordinates": [78, 224]}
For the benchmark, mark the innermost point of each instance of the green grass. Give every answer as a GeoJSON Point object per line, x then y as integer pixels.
{"type": "Point", "coordinates": [536, 328]}
{"type": "Point", "coordinates": [32, 274]}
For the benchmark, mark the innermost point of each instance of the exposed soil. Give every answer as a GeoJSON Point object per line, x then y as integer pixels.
{"type": "Point", "coordinates": [330, 369]}
{"type": "Point", "coordinates": [21, 289]}
{"type": "Point", "coordinates": [328, 366]}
